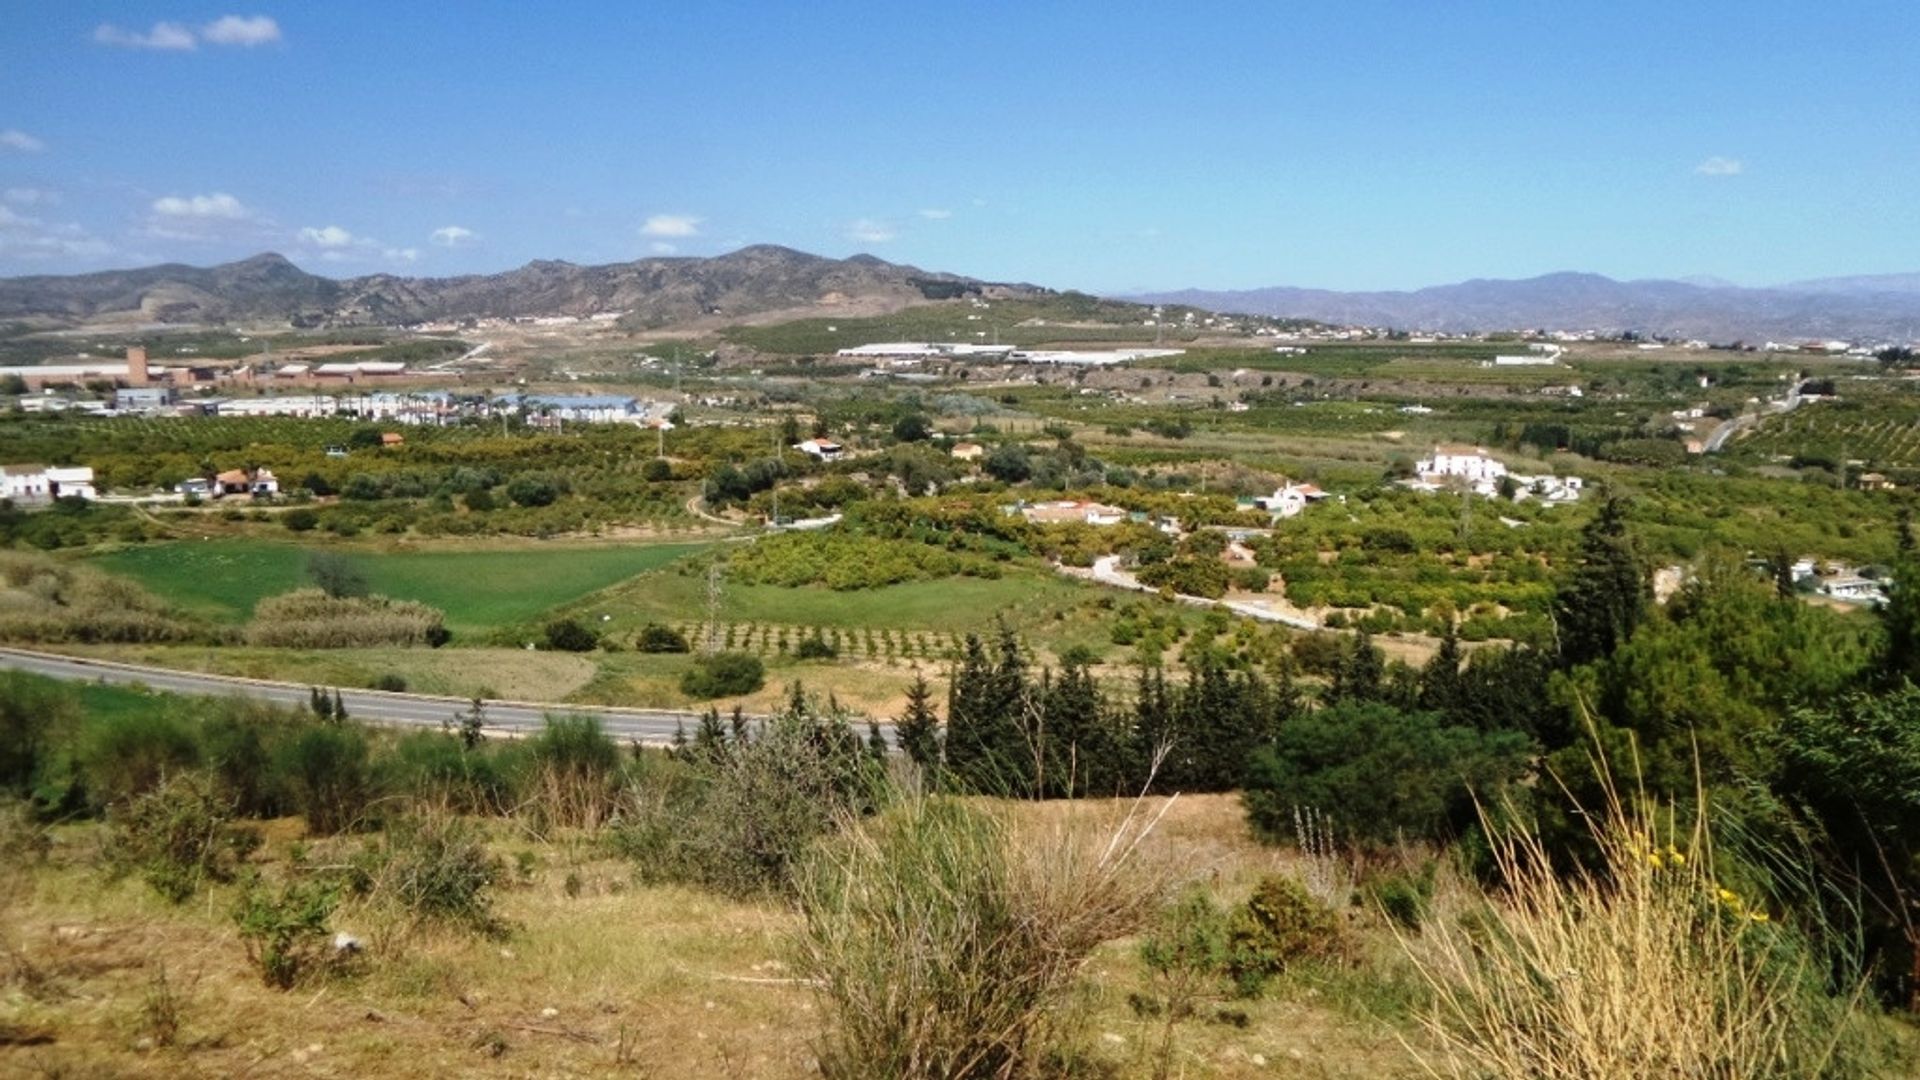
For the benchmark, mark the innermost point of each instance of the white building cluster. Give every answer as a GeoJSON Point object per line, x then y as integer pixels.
{"type": "Point", "coordinates": [1470, 467]}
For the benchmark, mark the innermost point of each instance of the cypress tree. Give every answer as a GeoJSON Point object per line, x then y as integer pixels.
{"type": "Point", "coordinates": [1608, 592]}
{"type": "Point", "coordinates": [320, 703]}
{"type": "Point", "coordinates": [710, 739]}
{"type": "Point", "coordinates": [1440, 678]}
{"type": "Point", "coordinates": [967, 750]}
{"type": "Point", "coordinates": [1358, 675]}
{"type": "Point", "coordinates": [1153, 729]}
{"type": "Point", "coordinates": [339, 707]}
{"type": "Point", "coordinates": [876, 742]}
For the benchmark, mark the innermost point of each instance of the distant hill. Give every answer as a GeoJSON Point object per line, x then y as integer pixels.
{"type": "Point", "coordinates": [651, 292]}
{"type": "Point", "coordinates": [1872, 309]}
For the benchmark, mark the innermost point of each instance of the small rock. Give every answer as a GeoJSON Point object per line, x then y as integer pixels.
{"type": "Point", "coordinates": [143, 1043]}
{"type": "Point", "coordinates": [1259, 1061]}
{"type": "Point", "coordinates": [1114, 1038]}
{"type": "Point", "coordinates": [345, 943]}
{"type": "Point", "coordinates": [549, 1013]}
{"type": "Point", "coordinates": [506, 954]}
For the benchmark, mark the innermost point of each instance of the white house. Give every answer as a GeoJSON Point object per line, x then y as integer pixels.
{"type": "Point", "coordinates": [1855, 589]}
{"type": "Point", "coordinates": [1469, 463]}
{"type": "Point", "coordinates": [824, 449]}
{"type": "Point", "coordinates": [1289, 500]}
{"type": "Point", "coordinates": [42, 483]}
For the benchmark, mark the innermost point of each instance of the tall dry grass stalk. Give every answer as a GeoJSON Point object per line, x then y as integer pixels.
{"type": "Point", "coordinates": [1643, 966]}
{"type": "Point", "coordinates": [940, 936]}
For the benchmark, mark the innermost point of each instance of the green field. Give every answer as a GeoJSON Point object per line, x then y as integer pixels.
{"type": "Point", "coordinates": [479, 590]}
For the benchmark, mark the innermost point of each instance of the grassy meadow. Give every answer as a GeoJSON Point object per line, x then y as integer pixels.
{"type": "Point", "coordinates": [479, 591]}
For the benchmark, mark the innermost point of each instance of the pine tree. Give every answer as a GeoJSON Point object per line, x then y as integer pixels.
{"type": "Point", "coordinates": [876, 742]}
{"type": "Point", "coordinates": [1607, 594]}
{"type": "Point", "coordinates": [918, 729]}
{"type": "Point", "coordinates": [339, 707]}
{"type": "Point", "coordinates": [679, 739]}
{"type": "Point", "coordinates": [1783, 583]}
{"type": "Point", "coordinates": [320, 703]}
{"type": "Point", "coordinates": [739, 725]}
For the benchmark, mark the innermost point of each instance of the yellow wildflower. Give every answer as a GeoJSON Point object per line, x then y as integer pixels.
{"type": "Point", "coordinates": [1654, 861]}
{"type": "Point", "coordinates": [1758, 916]}
{"type": "Point", "coordinates": [1676, 856]}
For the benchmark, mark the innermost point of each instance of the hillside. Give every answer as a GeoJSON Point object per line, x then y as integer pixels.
{"type": "Point", "coordinates": [1850, 309]}
{"type": "Point", "coordinates": [648, 292]}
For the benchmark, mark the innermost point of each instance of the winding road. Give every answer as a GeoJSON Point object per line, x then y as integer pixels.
{"type": "Point", "coordinates": [1728, 429]}
{"type": "Point", "coordinates": [509, 718]}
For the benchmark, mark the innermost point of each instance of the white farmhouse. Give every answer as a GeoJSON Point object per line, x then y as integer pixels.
{"type": "Point", "coordinates": [1469, 463]}
{"type": "Point", "coordinates": [44, 483]}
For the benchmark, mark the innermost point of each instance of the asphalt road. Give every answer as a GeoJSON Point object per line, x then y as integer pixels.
{"type": "Point", "coordinates": [374, 706]}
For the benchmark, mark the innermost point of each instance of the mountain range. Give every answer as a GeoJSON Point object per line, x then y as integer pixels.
{"type": "Point", "coordinates": [1873, 308]}
{"type": "Point", "coordinates": [649, 292]}
{"type": "Point", "coordinates": [766, 280]}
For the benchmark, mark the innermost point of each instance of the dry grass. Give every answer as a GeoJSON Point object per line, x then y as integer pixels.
{"type": "Point", "coordinates": [645, 981]}
{"type": "Point", "coordinates": [1647, 967]}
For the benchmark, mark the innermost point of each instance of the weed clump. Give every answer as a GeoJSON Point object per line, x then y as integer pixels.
{"type": "Point", "coordinates": [286, 932]}
{"type": "Point", "coordinates": [940, 942]}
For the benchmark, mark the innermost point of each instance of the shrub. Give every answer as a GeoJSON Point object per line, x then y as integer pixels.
{"type": "Point", "coordinates": [300, 519]}
{"type": "Point", "coordinates": [32, 711]}
{"type": "Point", "coordinates": [285, 934]}
{"type": "Point", "coordinates": [658, 638]}
{"type": "Point", "coordinates": [50, 601]}
{"type": "Point", "coordinates": [727, 674]}
{"type": "Point", "coordinates": [573, 773]}
{"type": "Point", "coordinates": [177, 837]}
{"type": "Point", "coordinates": [128, 755]}
{"type": "Point", "coordinates": [311, 619]}
{"type": "Point", "coordinates": [939, 942]}
{"type": "Point", "coordinates": [326, 767]}
{"type": "Point", "coordinates": [434, 868]}
{"type": "Point", "coordinates": [815, 647]}
{"type": "Point", "coordinates": [1281, 924]}
{"type": "Point", "coordinates": [656, 470]}
{"type": "Point", "coordinates": [567, 635]}
{"type": "Point", "coordinates": [1186, 955]}
{"type": "Point", "coordinates": [390, 682]}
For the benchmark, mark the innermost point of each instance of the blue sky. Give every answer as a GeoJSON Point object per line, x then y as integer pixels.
{"type": "Point", "coordinates": [1102, 146]}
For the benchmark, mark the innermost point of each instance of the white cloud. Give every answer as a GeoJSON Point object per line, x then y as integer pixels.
{"type": "Point", "coordinates": [26, 196]}
{"type": "Point", "coordinates": [869, 231]}
{"type": "Point", "coordinates": [242, 30]}
{"type": "Point", "coordinates": [401, 255]}
{"type": "Point", "coordinates": [15, 139]}
{"type": "Point", "coordinates": [661, 247]}
{"type": "Point", "coordinates": [1720, 166]}
{"type": "Point", "coordinates": [217, 206]}
{"type": "Point", "coordinates": [25, 237]}
{"type": "Point", "coordinates": [165, 36]}
{"type": "Point", "coordinates": [936, 215]}
{"type": "Point", "coordinates": [452, 236]}
{"type": "Point", "coordinates": [329, 236]}
{"type": "Point", "coordinates": [671, 225]}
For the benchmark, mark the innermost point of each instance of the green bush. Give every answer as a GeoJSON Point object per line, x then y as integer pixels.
{"type": "Point", "coordinates": [177, 837]}
{"type": "Point", "coordinates": [285, 934]}
{"type": "Point", "coordinates": [300, 520]}
{"type": "Point", "coordinates": [1281, 924]}
{"type": "Point", "coordinates": [434, 868]}
{"type": "Point", "coordinates": [568, 635]}
{"type": "Point", "coordinates": [327, 770]}
{"type": "Point", "coordinates": [572, 773]}
{"type": "Point", "coordinates": [130, 754]}
{"type": "Point", "coordinates": [659, 638]}
{"type": "Point", "coordinates": [727, 674]}
{"type": "Point", "coordinates": [815, 647]}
